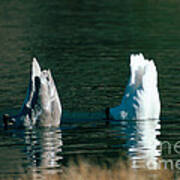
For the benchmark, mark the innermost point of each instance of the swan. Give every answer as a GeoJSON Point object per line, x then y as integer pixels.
{"type": "Point", "coordinates": [141, 98]}
{"type": "Point", "coordinates": [42, 106]}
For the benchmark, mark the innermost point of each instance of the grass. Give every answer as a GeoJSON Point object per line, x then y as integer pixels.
{"type": "Point", "coordinates": [120, 171]}
{"type": "Point", "coordinates": [84, 170]}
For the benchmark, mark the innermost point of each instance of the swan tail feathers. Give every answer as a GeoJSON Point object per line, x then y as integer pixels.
{"type": "Point", "coordinates": [149, 79]}
{"type": "Point", "coordinates": [36, 69]}
{"type": "Point", "coordinates": [143, 71]}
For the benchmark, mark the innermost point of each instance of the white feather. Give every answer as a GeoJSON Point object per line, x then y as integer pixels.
{"type": "Point", "coordinates": [141, 98]}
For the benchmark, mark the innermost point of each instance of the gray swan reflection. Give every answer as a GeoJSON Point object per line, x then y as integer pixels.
{"type": "Point", "coordinates": [43, 148]}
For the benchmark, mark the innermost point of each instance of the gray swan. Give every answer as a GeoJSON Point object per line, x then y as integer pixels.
{"type": "Point", "coordinates": [42, 106]}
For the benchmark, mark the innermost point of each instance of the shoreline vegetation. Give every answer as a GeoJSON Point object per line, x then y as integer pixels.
{"type": "Point", "coordinates": [88, 170]}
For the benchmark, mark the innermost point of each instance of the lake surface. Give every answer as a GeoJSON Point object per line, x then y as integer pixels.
{"type": "Point", "coordinates": [87, 46]}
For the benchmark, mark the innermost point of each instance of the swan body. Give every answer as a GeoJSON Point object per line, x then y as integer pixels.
{"type": "Point", "coordinates": [42, 105]}
{"type": "Point", "coordinates": [141, 99]}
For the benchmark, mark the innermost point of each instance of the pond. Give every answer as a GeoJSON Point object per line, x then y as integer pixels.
{"type": "Point", "coordinates": [87, 45]}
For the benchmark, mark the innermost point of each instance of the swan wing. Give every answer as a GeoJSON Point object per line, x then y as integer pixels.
{"type": "Point", "coordinates": [35, 72]}
{"type": "Point", "coordinates": [49, 100]}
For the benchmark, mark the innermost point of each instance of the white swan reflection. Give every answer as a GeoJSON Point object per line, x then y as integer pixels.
{"type": "Point", "coordinates": [141, 142]}
{"type": "Point", "coordinates": [146, 152]}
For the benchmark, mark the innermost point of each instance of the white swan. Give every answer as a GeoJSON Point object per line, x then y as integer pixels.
{"type": "Point", "coordinates": [42, 105]}
{"type": "Point", "coordinates": [141, 98]}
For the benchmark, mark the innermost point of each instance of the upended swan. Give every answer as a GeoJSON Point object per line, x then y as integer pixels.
{"type": "Point", "coordinates": [141, 99]}
{"type": "Point", "coordinates": [42, 106]}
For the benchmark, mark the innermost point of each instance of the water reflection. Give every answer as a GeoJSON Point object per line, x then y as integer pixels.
{"type": "Point", "coordinates": [136, 140]}
{"type": "Point", "coordinates": [144, 152]}
{"type": "Point", "coordinates": [43, 149]}
{"type": "Point", "coordinates": [140, 141]}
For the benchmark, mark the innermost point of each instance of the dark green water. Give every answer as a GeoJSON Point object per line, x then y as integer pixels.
{"type": "Point", "coordinates": [87, 45]}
